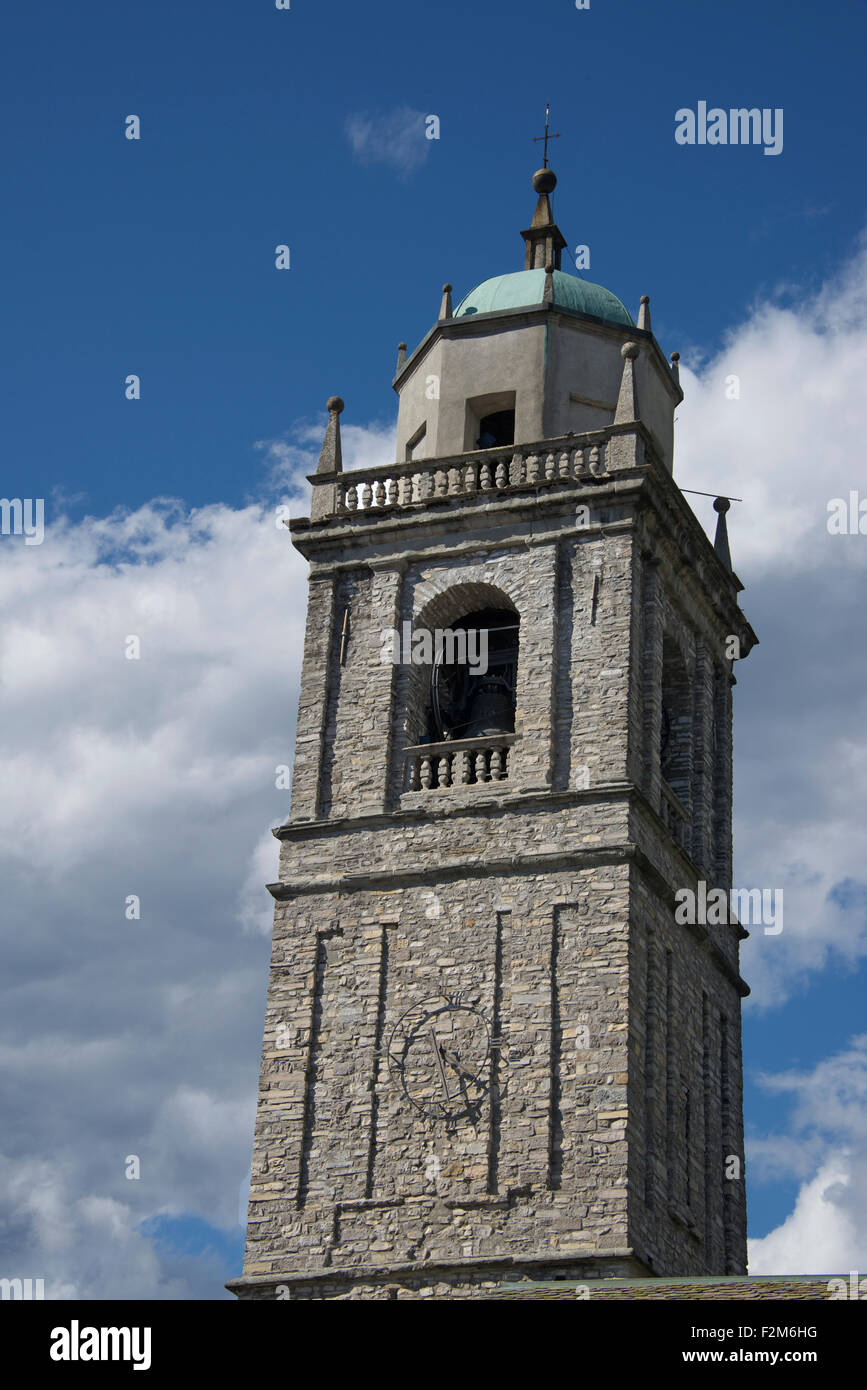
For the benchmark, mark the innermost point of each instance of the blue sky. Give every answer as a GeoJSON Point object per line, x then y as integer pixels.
{"type": "Point", "coordinates": [156, 257]}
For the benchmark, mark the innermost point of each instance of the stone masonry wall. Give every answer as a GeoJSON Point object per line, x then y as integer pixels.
{"type": "Point", "coordinates": [611, 1092]}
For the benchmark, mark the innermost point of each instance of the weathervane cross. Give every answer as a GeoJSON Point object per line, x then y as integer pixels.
{"type": "Point", "coordinates": [546, 137]}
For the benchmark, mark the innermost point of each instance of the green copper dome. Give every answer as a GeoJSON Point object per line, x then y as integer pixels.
{"type": "Point", "coordinates": [526, 287]}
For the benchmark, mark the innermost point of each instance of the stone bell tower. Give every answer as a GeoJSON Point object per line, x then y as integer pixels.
{"type": "Point", "coordinates": [491, 1053]}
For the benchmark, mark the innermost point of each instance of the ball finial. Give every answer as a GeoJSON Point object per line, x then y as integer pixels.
{"type": "Point", "coordinates": [629, 350]}
{"type": "Point", "coordinates": [334, 405]}
{"type": "Point", "coordinates": [544, 181]}
{"type": "Point", "coordinates": [721, 505]}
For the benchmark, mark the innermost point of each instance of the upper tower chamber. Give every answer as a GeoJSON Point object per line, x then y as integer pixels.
{"type": "Point", "coordinates": [539, 350]}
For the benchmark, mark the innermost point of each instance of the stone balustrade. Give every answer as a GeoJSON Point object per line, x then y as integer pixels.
{"type": "Point", "coordinates": [483, 471]}
{"type": "Point", "coordinates": [461, 762]}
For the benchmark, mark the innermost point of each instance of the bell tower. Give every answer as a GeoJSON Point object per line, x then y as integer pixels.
{"type": "Point", "coordinates": [491, 1053]}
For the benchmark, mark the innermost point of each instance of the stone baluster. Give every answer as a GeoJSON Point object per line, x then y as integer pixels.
{"type": "Point", "coordinates": [485, 480]}
{"type": "Point", "coordinates": [379, 493]}
{"type": "Point", "coordinates": [441, 483]}
{"type": "Point", "coordinates": [404, 491]}
{"type": "Point", "coordinates": [550, 467]}
{"type": "Point", "coordinates": [366, 495]}
{"type": "Point", "coordinates": [532, 468]}
{"type": "Point", "coordinates": [470, 478]}
{"type": "Point", "coordinates": [414, 779]}
{"type": "Point", "coordinates": [596, 464]}
{"type": "Point", "coordinates": [466, 767]}
{"type": "Point", "coordinates": [454, 482]}
{"type": "Point", "coordinates": [579, 466]}
{"type": "Point", "coordinates": [351, 498]}
{"type": "Point", "coordinates": [564, 465]}
{"type": "Point", "coordinates": [497, 772]}
{"type": "Point", "coordinates": [426, 773]}
{"type": "Point", "coordinates": [502, 473]}
{"type": "Point", "coordinates": [444, 771]}
{"type": "Point", "coordinates": [482, 774]}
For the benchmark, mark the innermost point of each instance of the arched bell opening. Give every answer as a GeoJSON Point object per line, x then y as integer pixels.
{"type": "Point", "coordinates": [474, 677]}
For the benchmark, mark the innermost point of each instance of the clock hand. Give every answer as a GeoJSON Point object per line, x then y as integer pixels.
{"type": "Point", "coordinates": [455, 1062]}
{"type": "Point", "coordinates": [439, 1062]}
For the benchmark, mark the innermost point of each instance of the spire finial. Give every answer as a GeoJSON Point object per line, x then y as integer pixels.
{"type": "Point", "coordinates": [331, 458]}
{"type": "Point", "coordinates": [446, 306]}
{"type": "Point", "coordinates": [721, 539]}
{"type": "Point", "coordinates": [543, 239]}
{"type": "Point", "coordinates": [644, 313]}
{"type": "Point", "coordinates": [627, 400]}
{"type": "Point", "coordinates": [546, 137]}
{"type": "Point", "coordinates": [675, 368]}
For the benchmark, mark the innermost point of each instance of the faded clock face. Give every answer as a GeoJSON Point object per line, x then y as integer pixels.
{"type": "Point", "coordinates": [438, 1053]}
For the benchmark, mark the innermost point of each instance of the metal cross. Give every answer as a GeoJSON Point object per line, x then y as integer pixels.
{"type": "Point", "coordinates": [546, 137]}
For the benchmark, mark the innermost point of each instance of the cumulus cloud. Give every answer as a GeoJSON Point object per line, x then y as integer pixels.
{"type": "Point", "coordinates": [787, 443]}
{"type": "Point", "coordinates": [290, 457]}
{"type": "Point", "coordinates": [397, 138]}
{"type": "Point", "coordinates": [772, 419]}
{"type": "Point", "coordinates": [151, 778]}
{"type": "Point", "coordinates": [827, 1133]}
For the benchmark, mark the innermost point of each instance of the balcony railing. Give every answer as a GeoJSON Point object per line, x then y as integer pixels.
{"type": "Point", "coordinates": [465, 762]}
{"type": "Point", "coordinates": [485, 471]}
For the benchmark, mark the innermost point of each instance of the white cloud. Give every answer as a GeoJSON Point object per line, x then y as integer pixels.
{"type": "Point", "coordinates": [819, 1237]}
{"type": "Point", "coordinates": [827, 1135]}
{"type": "Point", "coordinates": [153, 777]}
{"type": "Point", "coordinates": [292, 456]}
{"type": "Point", "coordinates": [789, 444]}
{"type": "Point", "coordinates": [397, 138]}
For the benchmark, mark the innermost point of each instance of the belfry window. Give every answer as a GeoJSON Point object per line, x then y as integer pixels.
{"type": "Point", "coordinates": [490, 421]}
{"type": "Point", "coordinates": [473, 680]}
{"type": "Point", "coordinates": [496, 430]}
